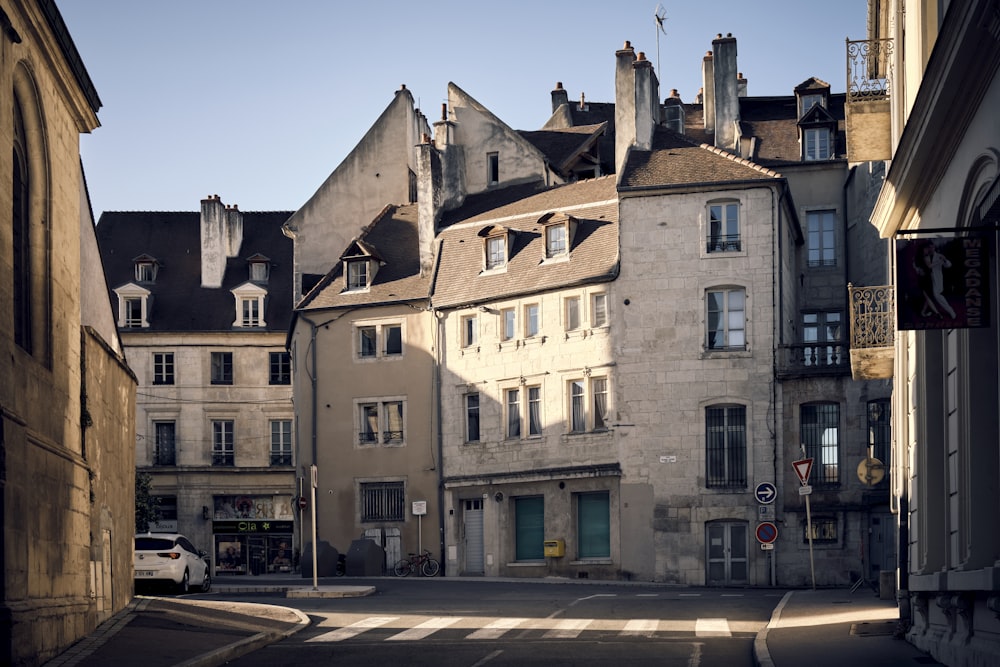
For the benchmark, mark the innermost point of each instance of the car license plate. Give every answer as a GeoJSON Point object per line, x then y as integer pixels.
{"type": "Point", "coordinates": [144, 573]}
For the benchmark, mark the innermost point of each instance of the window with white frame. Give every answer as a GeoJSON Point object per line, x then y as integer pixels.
{"type": "Point", "coordinates": [496, 252]}
{"type": "Point", "coordinates": [534, 411]}
{"type": "Point", "coordinates": [807, 102]}
{"type": "Point", "coordinates": [470, 330]}
{"type": "Point", "coordinates": [523, 412]}
{"type": "Point", "coordinates": [472, 417]}
{"type": "Point", "coordinates": [816, 143]}
{"type": "Point", "coordinates": [381, 422]}
{"type": "Point", "coordinates": [133, 306]}
{"type": "Point", "coordinates": [222, 443]}
{"type": "Point", "coordinates": [821, 334]}
{"type": "Point", "coordinates": [357, 274]}
{"type": "Point", "coordinates": [555, 240]}
{"type": "Point", "coordinates": [507, 324]}
{"type": "Point", "coordinates": [588, 404]}
{"type": "Point", "coordinates": [250, 309]}
{"type": "Point", "coordinates": [379, 340]}
{"type": "Point", "coordinates": [145, 269]}
{"type": "Point", "coordinates": [726, 447]}
{"type": "Point", "coordinates": [598, 310]}
{"type": "Point", "coordinates": [492, 168]}
{"type": "Point", "coordinates": [163, 368]}
{"type": "Point", "coordinates": [531, 322]}
{"type": "Point", "coordinates": [281, 442]}
{"type": "Point", "coordinates": [724, 227]}
{"type": "Point", "coordinates": [249, 305]}
{"type": "Point", "coordinates": [726, 319]}
{"type": "Point", "coordinates": [382, 501]}
{"type": "Point", "coordinates": [512, 410]}
{"type": "Point", "coordinates": [571, 313]}
{"type": "Point", "coordinates": [821, 238]}
{"type": "Point", "coordinates": [820, 433]}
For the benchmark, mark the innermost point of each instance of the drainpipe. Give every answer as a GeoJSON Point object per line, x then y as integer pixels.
{"type": "Point", "coordinates": [440, 440]}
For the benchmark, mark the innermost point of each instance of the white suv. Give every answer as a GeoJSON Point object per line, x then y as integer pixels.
{"type": "Point", "coordinates": [169, 557]}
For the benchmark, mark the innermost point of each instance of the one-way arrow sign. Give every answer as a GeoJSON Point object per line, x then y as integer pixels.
{"type": "Point", "coordinates": [765, 493]}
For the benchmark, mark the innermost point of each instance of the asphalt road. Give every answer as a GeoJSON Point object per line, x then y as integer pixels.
{"type": "Point", "coordinates": [465, 623]}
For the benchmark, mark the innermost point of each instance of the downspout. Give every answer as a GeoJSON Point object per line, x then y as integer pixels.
{"type": "Point", "coordinates": [778, 295]}
{"type": "Point", "coordinates": [439, 321]}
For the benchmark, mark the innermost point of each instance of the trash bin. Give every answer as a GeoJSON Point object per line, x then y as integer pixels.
{"type": "Point", "coordinates": [365, 558]}
{"type": "Point", "coordinates": [326, 560]}
{"type": "Point", "coordinates": [887, 585]}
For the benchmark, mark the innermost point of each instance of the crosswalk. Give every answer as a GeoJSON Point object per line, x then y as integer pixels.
{"type": "Point", "coordinates": [416, 628]}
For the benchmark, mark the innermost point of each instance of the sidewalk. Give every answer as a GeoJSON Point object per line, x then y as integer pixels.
{"type": "Point", "coordinates": [822, 628]}
{"type": "Point", "coordinates": [835, 628]}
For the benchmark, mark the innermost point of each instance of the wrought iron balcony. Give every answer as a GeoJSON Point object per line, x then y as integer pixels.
{"type": "Point", "coordinates": [869, 88]}
{"type": "Point", "coordinates": [873, 331]}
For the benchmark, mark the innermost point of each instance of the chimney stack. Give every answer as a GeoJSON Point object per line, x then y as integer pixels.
{"type": "Point", "coordinates": [624, 104]}
{"type": "Point", "coordinates": [726, 103]}
{"type": "Point", "coordinates": [560, 96]}
{"type": "Point", "coordinates": [708, 91]}
{"type": "Point", "coordinates": [221, 238]}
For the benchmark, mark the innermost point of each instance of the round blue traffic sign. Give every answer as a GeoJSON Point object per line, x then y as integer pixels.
{"type": "Point", "coordinates": [765, 493]}
{"type": "Point", "coordinates": [767, 532]}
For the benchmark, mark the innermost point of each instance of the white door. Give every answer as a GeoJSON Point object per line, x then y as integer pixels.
{"type": "Point", "coordinates": [472, 517]}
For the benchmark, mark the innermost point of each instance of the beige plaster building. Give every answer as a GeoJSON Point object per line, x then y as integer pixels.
{"type": "Point", "coordinates": [67, 397]}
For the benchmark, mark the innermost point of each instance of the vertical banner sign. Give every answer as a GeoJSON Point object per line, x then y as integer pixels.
{"type": "Point", "coordinates": [942, 283]}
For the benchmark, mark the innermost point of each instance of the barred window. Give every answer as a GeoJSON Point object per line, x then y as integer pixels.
{"type": "Point", "coordinates": [820, 431]}
{"type": "Point", "coordinates": [726, 447]}
{"type": "Point", "coordinates": [824, 529]}
{"type": "Point", "coordinates": [382, 501]}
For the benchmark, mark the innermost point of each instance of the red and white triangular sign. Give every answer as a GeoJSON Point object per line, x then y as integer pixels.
{"type": "Point", "coordinates": [802, 469]}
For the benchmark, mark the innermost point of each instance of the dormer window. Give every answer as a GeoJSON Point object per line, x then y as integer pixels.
{"type": "Point", "coordinates": [249, 305]}
{"type": "Point", "coordinates": [260, 268]}
{"type": "Point", "coordinates": [559, 231]}
{"type": "Point", "coordinates": [497, 245]}
{"type": "Point", "coordinates": [808, 101]}
{"type": "Point", "coordinates": [133, 306]}
{"type": "Point", "coordinates": [361, 262]}
{"type": "Point", "coordinates": [816, 143]}
{"type": "Point", "coordinates": [145, 269]}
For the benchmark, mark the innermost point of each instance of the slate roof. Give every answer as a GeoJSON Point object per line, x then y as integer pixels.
{"type": "Point", "coordinates": [561, 146]}
{"type": "Point", "coordinates": [677, 160]}
{"type": "Point", "coordinates": [774, 121]}
{"type": "Point", "coordinates": [178, 301]}
{"type": "Point", "coordinates": [393, 238]}
{"type": "Point", "coordinates": [593, 255]}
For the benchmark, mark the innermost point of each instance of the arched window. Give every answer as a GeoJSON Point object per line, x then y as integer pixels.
{"type": "Point", "coordinates": [21, 196]}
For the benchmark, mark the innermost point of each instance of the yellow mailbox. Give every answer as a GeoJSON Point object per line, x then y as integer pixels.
{"type": "Point", "coordinates": [555, 548]}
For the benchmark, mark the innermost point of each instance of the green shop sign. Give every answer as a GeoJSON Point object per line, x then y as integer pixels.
{"type": "Point", "coordinates": [252, 526]}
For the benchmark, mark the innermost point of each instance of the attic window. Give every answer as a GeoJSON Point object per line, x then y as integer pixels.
{"type": "Point", "coordinates": [357, 274]}
{"type": "Point", "coordinates": [492, 168]}
{"type": "Point", "coordinates": [133, 306]}
{"type": "Point", "coordinates": [555, 240]}
{"type": "Point", "coordinates": [249, 300]}
{"type": "Point", "coordinates": [260, 268]}
{"type": "Point", "coordinates": [816, 143]}
{"type": "Point", "coordinates": [807, 102]}
{"type": "Point", "coordinates": [559, 231]}
{"type": "Point", "coordinates": [145, 269]}
{"type": "Point", "coordinates": [496, 252]}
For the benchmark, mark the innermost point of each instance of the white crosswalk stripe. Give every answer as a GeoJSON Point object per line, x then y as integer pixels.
{"type": "Point", "coordinates": [567, 628]}
{"type": "Point", "coordinates": [643, 627]}
{"type": "Point", "coordinates": [497, 628]}
{"type": "Point", "coordinates": [425, 629]}
{"type": "Point", "coordinates": [354, 629]}
{"type": "Point", "coordinates": [712, 627]}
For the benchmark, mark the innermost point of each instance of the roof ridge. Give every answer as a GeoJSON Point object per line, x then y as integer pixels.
{"type": "Point", "coordinates": [741, 160]}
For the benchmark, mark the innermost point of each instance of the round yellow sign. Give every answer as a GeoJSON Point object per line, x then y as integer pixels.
{"type": "Point", "coordinates": [871, 471]}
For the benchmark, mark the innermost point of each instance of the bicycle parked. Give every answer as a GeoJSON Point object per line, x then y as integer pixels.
{"type": "Point", "coordinates": [421, 563]}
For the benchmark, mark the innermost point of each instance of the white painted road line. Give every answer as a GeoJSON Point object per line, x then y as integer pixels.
{"type": "Point", "coordinates": [425, 629]}
{"type": "Point", "coordinates": [568, 628]}
{"type": "Point", "coordinates": [712, 627]}
{"type": "Point", "coordinates": [497, 628]}
{"type": "Point", "coordinates": [642, 627]}
{"type": "Point", "coordinates": [354, 629]}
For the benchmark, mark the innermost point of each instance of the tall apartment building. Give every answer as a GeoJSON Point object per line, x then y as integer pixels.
{"type": "Point", "coordinates": [203, 301]}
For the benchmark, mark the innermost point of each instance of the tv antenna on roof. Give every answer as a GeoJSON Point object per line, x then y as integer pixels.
{"type": "Point", "coordinates": [660, 15]}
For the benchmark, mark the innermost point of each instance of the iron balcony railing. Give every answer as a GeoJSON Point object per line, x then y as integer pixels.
{"type": "Point", "coordinates": [873, 316]}
{"type": "Point", "coordinates": [869, 69]}
{"type": "Point", "coordinates": [818, 358]}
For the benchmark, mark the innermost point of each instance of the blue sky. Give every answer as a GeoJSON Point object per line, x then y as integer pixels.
{"type": "Point", "coordinates": [258, 101]}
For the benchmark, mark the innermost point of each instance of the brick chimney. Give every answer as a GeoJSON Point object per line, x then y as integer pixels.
{"type": "Point", "coordinates": [727, 102]}
{"type": "Point", "coordinates": [708, 91]}
{"type": "Point", "coordinates": [560, 96]}
{"type": "Point", "coordinates": [221, 238]}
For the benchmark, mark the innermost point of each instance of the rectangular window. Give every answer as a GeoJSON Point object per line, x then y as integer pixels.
{"type": "Point", "coordinates": [393, 420]}
{"type": "Point", "coordinates": [534, 411]}
{"type": "Point", "coordinates": [531, 320]}
{"type": "Point", "coordinates": [880, 431]}
{"type": "Point", "coordinates": [724, 227]}
{"type": "Point", "coordinates": [817, 143]}
{"type": "Point", "coordinates": [572, 314]}
{"type": "Point", "coordinates": [166, 451]}
{"type": "Point", "coordinates": [144, 272]}
{"type": "Point", "coordinates": [222, 368]}
{"type": "Point", "coordinates": [599, 392]}
{"type": "Point", "coordinates": [382, 501]}
{"type": "Point", "coordinates": [357, 274]}
{"type": "Point", "coordinates": [496, 252]}
{"type": "Point", "coordinates": [820, 226]}
{"type": "Point", "coordinates": [598, 310]}
{"type": "Point", "coordinates": [492, 168]}
{"type": "Point", "coordinates": [222, 443]}
{"type": "Point", "coordinates": [250, 312]}
{"type": "Point", "coordinates": [726, 319]}
{"type": "Point", "coordinates": [133, 312]}
{"type": "Point", "coordinates": [281, 442]}
{"type": "Point", "coordinates": [555, 240]}
{"type": "Point", "coordinates": [280, 364]}
{"type": "Point", "coordinates": [507, 323]}
{"type": "Point", "coordinates": [594, 524]}
{"type": "Point", "coordinates": [513, 405]}
{"type": "Point", "coordinates": [578, 417]}
{"type": "Point", "coordinates": [367, 344]}
{"type": "Point", "coordinates": [726, 447]}
{"type": "Point", "coordinates": [163, 368]}
{"type": "Point", "coordinates": [470, 331]}
{"type": "Point", "coordinates": [818, 328]}
{"type": "Point", "coordinates": [368, 435]}
{"type": "Point", "coordinates": [820, 433]}
{"type": "Point", "coordinates": [529, 528]}
{"type": "Point", "coordinates": [472, 417]}
{"type": "Point", "coordinates": [259, 271]}
{"type": "Point", "coordinates": [806, 102]}
{"type": "Point", "coordinates": [824, 529]}
{"type": "Point", "coordinates": [393, 335]}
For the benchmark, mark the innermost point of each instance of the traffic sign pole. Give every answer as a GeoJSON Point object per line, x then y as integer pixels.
{"type": "Point", "coordinates": [802, 469]}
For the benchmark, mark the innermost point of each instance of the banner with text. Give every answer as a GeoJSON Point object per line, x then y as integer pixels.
{"type": "Point", "coordinates": [942, 282]}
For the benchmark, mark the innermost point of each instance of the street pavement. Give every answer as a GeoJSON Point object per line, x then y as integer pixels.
{"type": "Point", "coordinates": [819, 628]}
